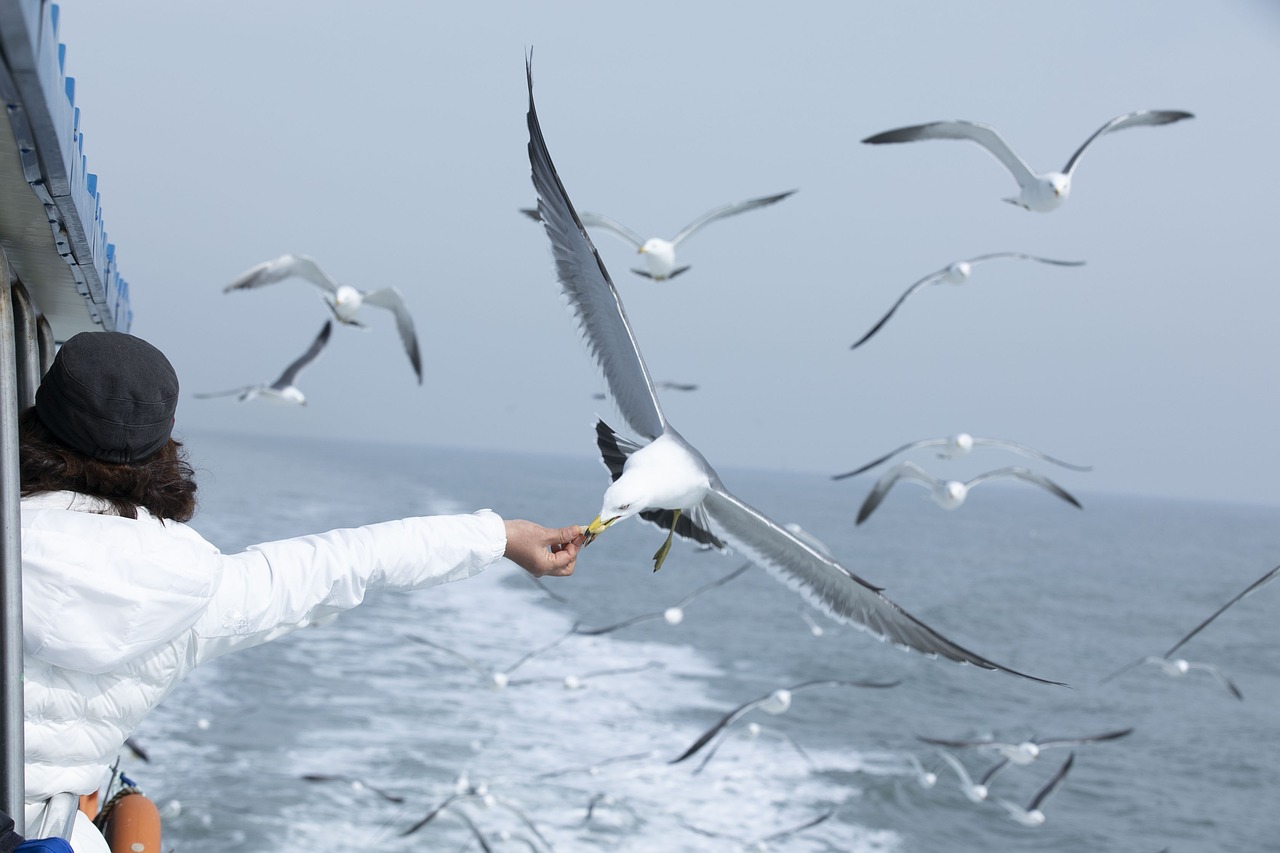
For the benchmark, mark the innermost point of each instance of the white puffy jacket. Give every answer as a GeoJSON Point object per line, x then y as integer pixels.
{"type": "Point", "coordinates": [117, 610]}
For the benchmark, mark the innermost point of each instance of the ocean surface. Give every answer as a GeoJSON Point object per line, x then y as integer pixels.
{"type": "Point", "coordinates": [397, 695]}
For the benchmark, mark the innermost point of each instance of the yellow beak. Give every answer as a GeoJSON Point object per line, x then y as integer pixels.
{"type": "Point", "coordinates": [595, 528]}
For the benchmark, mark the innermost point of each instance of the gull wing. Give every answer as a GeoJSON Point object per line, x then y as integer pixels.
{"type": "Point", "coordinates": [1265, 579]}
{"type": "Point", "coordinates": [828, 585]}
{"type": "Point", "coordinates": [242, 390]}
{"type": "Point", "coordinates": [278, 269]}
{"type": "Point", "coordinates": [291, 372]}
{"type": "Point", "coordinates": [964, 744]}
{"type": "Point", "coordinates": [1220, 675]}
{"type": "Point", "coordinates": [1065, 741]}
{"type": "Point", "coordinates": [924, 282]}
{"type": "Point", "coordinates": [727, 210]}
{"type": "Point", "coordinates": [1031, 477]}
{"type": "Point", "coordinates": [1133, 119]}
{"type": "Point", "coordinates": [1052, 784]}
{"type": "Point", "coordinates": [1023, 257]}
{"type": "Point", "coordinates": [591, 294]}
{"type": "Point", "coordinates": [983, 134]}
{"type": "Point", "coordinates": [392, 299]}
{"type": "Point", "coordinates": [925, 442]}
{"type": "Point", "coordinates": [596, 220]}
{"type": "Point", "coordinates": [1029, 451]}
{"type": "Point", "coordinates": [903, 470]}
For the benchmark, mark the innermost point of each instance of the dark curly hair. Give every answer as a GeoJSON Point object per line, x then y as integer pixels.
{"type": "Point", "coordinates": [163, 484]}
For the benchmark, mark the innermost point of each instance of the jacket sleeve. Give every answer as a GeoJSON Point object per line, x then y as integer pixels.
{"type": "Point", "coordinates": [276, 587]}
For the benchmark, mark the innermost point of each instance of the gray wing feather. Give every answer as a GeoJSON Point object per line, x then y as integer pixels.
{"type": "Point", "coordinates": [1133, 119]}
{"type": "Point", "coordinates": [983, 134]}
{"type": "Point", "coordinates": [1265, 579]}
{"type": "Point", "coordinates": [596, 220]}
{"type": "Point", "coordinates": [291, 372]}
{"type": "Point", "coordinates": [927, 280]}
{"type": "Point", "coordinates": [727, 210]}
{"type": "Point", "coordinates": [827, 584]}
{"type": "Point", "coordinates": [591, 293]}
{"type": "Point", "coordinates": [1031, 477]}
{"type": "Point", "coordinates": [903, 470]}
{"type": "Point", "coordinates": [1025, 257]}
{"type": "Point", "coordinates": [927, 442]}
{"type": "Point", "coordinates": [1029, 451]}
{"type": "Point", "coordinates": [392, 299]}
{"type": "Point", "coordinates": [278, 269]}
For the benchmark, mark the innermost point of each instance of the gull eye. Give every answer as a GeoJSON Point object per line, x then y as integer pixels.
{"type": "Point", "coordinates": [624, 506]}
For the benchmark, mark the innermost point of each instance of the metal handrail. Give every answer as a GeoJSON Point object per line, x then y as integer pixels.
{"type": "Point", "coordinates": [12, 744]}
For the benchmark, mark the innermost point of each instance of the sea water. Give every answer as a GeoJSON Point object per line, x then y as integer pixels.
{"type": "Point", "coordinates": [397, 695]}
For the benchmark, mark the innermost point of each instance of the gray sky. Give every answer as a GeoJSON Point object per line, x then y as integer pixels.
{"type": "Point", "coordinates": [387, 140]}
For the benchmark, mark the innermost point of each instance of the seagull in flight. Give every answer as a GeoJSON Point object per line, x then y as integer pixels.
{"type": "Point", "coordinates": [1020, 753]}
{"type": "Point", "coordinates": [1175, 667]}
{"type": "Point", "coordinates": [667, 481]}
{"type": "Point", "coordinates": [672, 615]}
{"type": "Point", "coordinates": [955, 273]}
{"type": "Point", "coordinates": [763, 843]}
{"type": "Point", "coordinates": [950, 494]}
{"type": "Point", "coordinates": [961, 444]}
{"type": "Point", "coordinates": [283, 390]}
{"type": "Point", "coordinates": [343, 300]}
{"type": "Point", "coordinates": [356, 785]}
{"type": "Point", "coordinates": [1032, 815]}
{"type": "Point", "coordinates": [1041, 192]}
{"type": "Point", "coordinates": [660, 254]}
{"type": "Point", "coordinates": [974, 792]}
{"type": "Point", "coordinates": [775, 702]}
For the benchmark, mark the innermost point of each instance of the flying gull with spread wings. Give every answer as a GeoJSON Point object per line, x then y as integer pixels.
{"type": "Point", "coordinates": [343, 300]}
{"type": "Point", "coordinates": [284, 389]}
{"type": "Point", "coordinates": [951, 494]}
{"type": "Point", "coordinates": [1043, 191]}
{"type": "Point", "coordinates": [954, 273]}
{"type": "Point", "coordinates": [667, 481]}
{"type": "Point", "coordinates": [660, 254]}
{"type": "Point", "coordinates": [961, 444]}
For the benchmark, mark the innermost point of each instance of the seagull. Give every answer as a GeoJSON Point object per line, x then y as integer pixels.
{"type": "Point", "coordinates": [668, 481]}
{"type": "Point", "coordinates": [283, 390]}
{"type": "Point", "coordinates": [356, 785]}
{"type": "Point", "coordinates": [1031, 815]}
{"type": "Point", "coordinates": [343, 299]}
{"type": "Point", "coordinates": [926, 778]}
{"type": "Point", "coordinates": [775, 702]}
{"type": "Point", "coordinates": [973, 792]}
{"type": "Point", "coordinates": [1024, 752]}
{"type": "Point", "coordinates": [660, 254]}
{"type": "Point", "coordinates": [499, 678]}
{"type": "Point", "coordinates": [1041, 192]}
{"type": "Point", "coordinates": [672, 615]}
{"type": "Point", "coordinates": [950, 494]}
{"type": "Point", "coordinates": [763, 843]}
{"type": "Point", "coordinates": [961, 444]}
{"type": "Point", "coordinates": [753, 731]}
{"type": "Point", "coordinates": [1174, 667]}
{"type": "Point", "coordinates": [488, 800]}
{"type": "Point", "coordinates": [955, 273]}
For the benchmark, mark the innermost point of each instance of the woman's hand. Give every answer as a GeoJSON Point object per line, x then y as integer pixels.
{"type": "Point", "coordinates": [542, 550]}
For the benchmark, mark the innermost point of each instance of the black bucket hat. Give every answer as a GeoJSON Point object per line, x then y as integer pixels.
{"type": "Point", "coordinates": [109, 395]}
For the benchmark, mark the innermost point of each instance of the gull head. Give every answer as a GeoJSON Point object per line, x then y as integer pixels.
{"type": "Point", "coordinates": [346, 302]}
{"type": "Point", "coordinates": [958, 273]}
{"type": "Point", "coordinates": [951, 494]}
{"type": "Point", "coordinates": [777, 703]}
{"type": "Point", "coordinates": [291, 394]}
{"type": "Point", "coordinates": [660, 255]}
{"type": "Point", "coordinates": [673, 615]}
{"type": "Point", "coordinates": [1024, 753]}
{"type": "Point", "coordinates": [572, 682]}
{"type": "Point", "coordinates": [958, 445]}
{"type": "Point", "coordinates": [1047, 192]}
{"type": "Point", "coordinates": [499, 680]}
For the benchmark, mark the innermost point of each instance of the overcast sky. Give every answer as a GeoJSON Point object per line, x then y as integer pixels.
{"type": "Point", "coordinates": [387, 141]}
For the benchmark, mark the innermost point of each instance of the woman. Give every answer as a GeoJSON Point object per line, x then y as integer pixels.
{"type": "Point", "coordinates": [121, 599]}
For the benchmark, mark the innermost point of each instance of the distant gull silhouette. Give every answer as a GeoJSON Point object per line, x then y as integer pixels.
{"type": "Point", "coordinates": [763, 843]}
{"type": "Point", "coordinates": [950, 494]}
{"type": "Point", "coordinates": [356, 784]}
{"type": "Point", "coordinates": [1032, 815]}
{"type": "Point", "coordinates": [1174, 667]}
{"type": "Point", "coordinates": [667, 481]}
{"type": "Point", "coordinates": [753, 731]}
{"type": "Point", "coordinates": [958, 445]}
{"type": "Point", "coordinates": [499, 678]}
{"type": "Point", "coordinates": [343, 300]}
{"type": "Point", "coordinates": [974, 792]}
{"type": "Point", "coordinates": [774, 702]}
{"type": "Point", "coordinates": [284, 389]}
{"type": "Point", "coordinates": [488, 800]}
{"type": "Point", "coordinates": [660, 254]}
{"type": "Point", "coordinates": [1023, 752]}
{"type": "Point", "coordinates": [925, 778]}
{"type": "Point", "coordinates": [955, 273]}
{"type": "Point", "coordinates": [1041, 192]}
{"type": "Point", "coordinates": [672, 615]}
